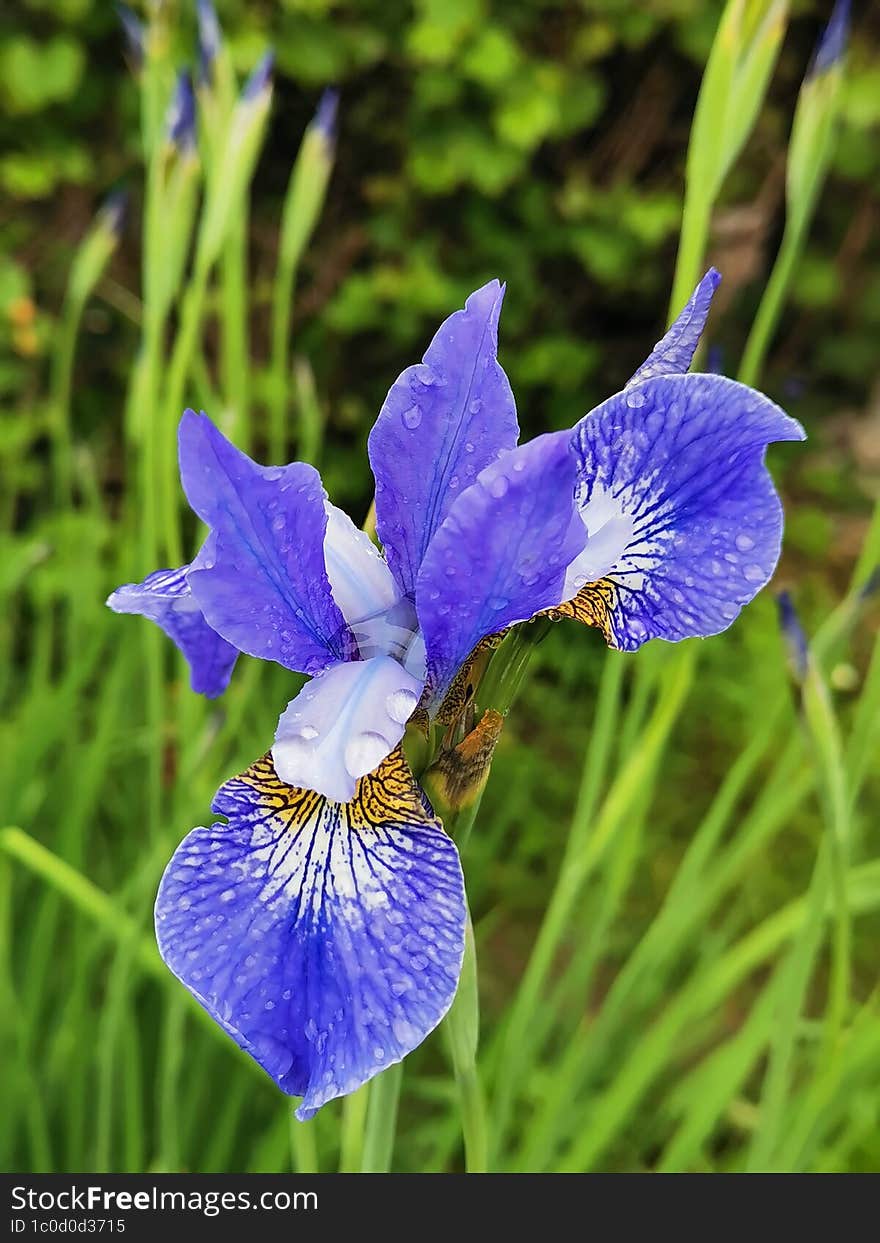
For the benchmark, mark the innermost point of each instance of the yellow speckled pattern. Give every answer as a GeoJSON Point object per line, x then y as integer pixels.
{"type": "Point", "coordinates": [593, 605]}
{"type": "Point", "coordinates": [388, 796]}
{"type": "Point", "coordinates": [461, 691]}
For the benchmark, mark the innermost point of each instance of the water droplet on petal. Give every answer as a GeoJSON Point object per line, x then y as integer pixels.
{"type": "Point", "coordinates": [365, 752]}
{"type": "Point", "coordinates": [635, 399]}
{"type": "Point", "coordinates": [499, 486]}
{"type": "Point", "coordinates": [754, 574]}
{"type": "Point", "coordinates": [411, 417]}
{"type": "Point", "coordinates": [400, 705]}
{"type": "Point", "coordinates": [308, 732]}
{"type": "Point", "coordinates": [744, 542]}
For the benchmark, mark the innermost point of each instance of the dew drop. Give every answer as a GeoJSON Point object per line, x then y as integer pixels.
{"type": "Point", "coordinates": [412, 417]}
{"type": "Point", "coordinates": [498, 487]}
{"type": "Point", "coordinates": [744, 542]}
{"type": "Point", "coordinates": [400, 705]}
{"type": "Point", "coordinates": [753, 574]}
{"type": "Point", "coordinates": [365, 752]}
{"type": "Point", "coordinates": [308, 732]}
{"type": "Point", "coordinates": [635, 400]}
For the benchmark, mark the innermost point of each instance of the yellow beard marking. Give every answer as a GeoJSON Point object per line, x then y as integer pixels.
{"type": "Point", "coordinates": [387, 797]}
{"type": "Point", "coordinates": [593, 606]}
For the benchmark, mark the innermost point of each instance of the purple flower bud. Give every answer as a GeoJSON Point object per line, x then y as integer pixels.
{"type": "Point", "coordinates": [871, 585]}
{"type": "Point", "coordinates": [210, 38]}
{"type": "Point", "coordinates": [793, 634]}
{"type": "Point", "coordinates": [832, 45]}
{"type": "Point", "coordinates": [180, 121]}
{"type": "Point", "coordinates": [133, 32]}
{"type": "Point", "coordinates": [325, 115]}
{"type": "Point", "coordinates": [261, 77]}
{"type": "Point", "coordinates": [112, 214]}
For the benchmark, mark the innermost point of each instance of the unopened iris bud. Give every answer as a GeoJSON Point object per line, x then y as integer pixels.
{"type": "Point", "coordinates": [870, 586]}
{"type": "Point", "coordinates": [259, 84]}
{"type": "Point", "coordinates": [832, 45]}
{"type": "Point", "coordinates": [326, 114]}
{"type": "Point", "coordinates": [180, 122]}
{"type": "Point", "coordinates": [793, 634]}
{"type": "Point", "coordinates": [308, 181]}
{"type": "Point", "coordinates": [98, 245]}
{"type": "Point", "coordinates": [233, 163]}
{"type": "Point", "coordinates": [458, 777]}
{"type": "Point", "coordinates": [133, 32]}
{"type": "Point", "coordinates": [112, 214]}
{"type": "Point", "coordinates": [210, 38]}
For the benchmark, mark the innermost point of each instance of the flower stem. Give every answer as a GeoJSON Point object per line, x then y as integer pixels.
{"type": "Point", "coordinates": [381, 1121]}
{"type": "Point", "coordinates": [351, 1143]}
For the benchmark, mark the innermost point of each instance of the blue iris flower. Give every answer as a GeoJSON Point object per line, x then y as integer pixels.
{"type": "Point", "coordinates": [323, 924]}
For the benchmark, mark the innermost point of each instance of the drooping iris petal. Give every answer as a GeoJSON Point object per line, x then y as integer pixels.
{"type": "Point", "coordinates": [343, 724]}
{"type": "Point", "coordinates": [500, 557]}
{"type": "Point", "coordinates": [443, 421]}
{"type": "Point", "coordinates": [326, 939]}
{"type": "Point", "coordinates": [672, 355]}
{"type": "Point", "coordinates": [261, 582]}
{"type": "Point", "coordinates": [165, 598]}
{"type": "Point", "coordinates": [675, 467]}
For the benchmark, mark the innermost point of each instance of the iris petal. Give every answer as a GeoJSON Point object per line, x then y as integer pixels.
{"type": "Point", "coordinates": [261, 583]}
{"type": "Point", "coordinates": [165, 598]}
{"type": "Point", "coordinates": [443, 421]}
{"type": "Point", "coordinates": [673, 354]}
{"type": "Point", "coordinates": [678, 463]}
{"type": "Point", "coordinates": [326, 939]}
{"type": "Point", "coordinates": [343, 724]}
{"type": "Point", "coordinates": [362, 584]}
{"type": "Point", "coordinates": [500, 557]}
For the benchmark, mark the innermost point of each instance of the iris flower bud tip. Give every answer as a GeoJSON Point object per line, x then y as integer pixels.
{"type": "Point", "coordinates": [832, 44]}
{"type": "Point", "coordinates": [113, 212]}
{"type": "Point", "coordinates": [181, 121]}
{"type": "Point", "coordinates": [210, 34]}
{"type": "Point", "coordinates": [133, 32]}
{"type": "Point", "coordinates": [326, 114]}
{"type": "Point", "coordinates": [793, 634]}
{"type": "Point", "coordinates": [871, 585]}
{"type": "Point", "coordinates": [261, 77]}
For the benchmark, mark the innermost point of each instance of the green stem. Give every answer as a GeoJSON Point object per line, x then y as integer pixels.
{"type": "Point", "coordinates": [767, 318]}
{"type": "Point", "coordinates": [351, 1141]}
{"type": "Point", "coordinates": [282, 307]}
{"type": "Point", "coordinates": [303, 1146]}
{"type": "Point", "coordinates": [235, 323]}
{"type": "Point", "coordinates": [382, 1121]}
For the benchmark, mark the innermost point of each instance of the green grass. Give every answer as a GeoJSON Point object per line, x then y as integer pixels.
{"type": "Point", "coordinates": [673, 873]}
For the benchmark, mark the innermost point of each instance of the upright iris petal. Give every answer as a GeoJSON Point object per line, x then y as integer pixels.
{"type": "Point", "coordinates": [261, 582]}
{"type": "Point", "coordinates": [443, 421]}
{"type": "Point", "coordinates": [501, 555]}
{"type": "Point", "coordinates": [674, 353]}
{"type": "Point", "coordinates": [683, 523]}
{"type": "Point", "coordinates": [326, 939]}
{"type": "Point", "coordinates": [165, 598]}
